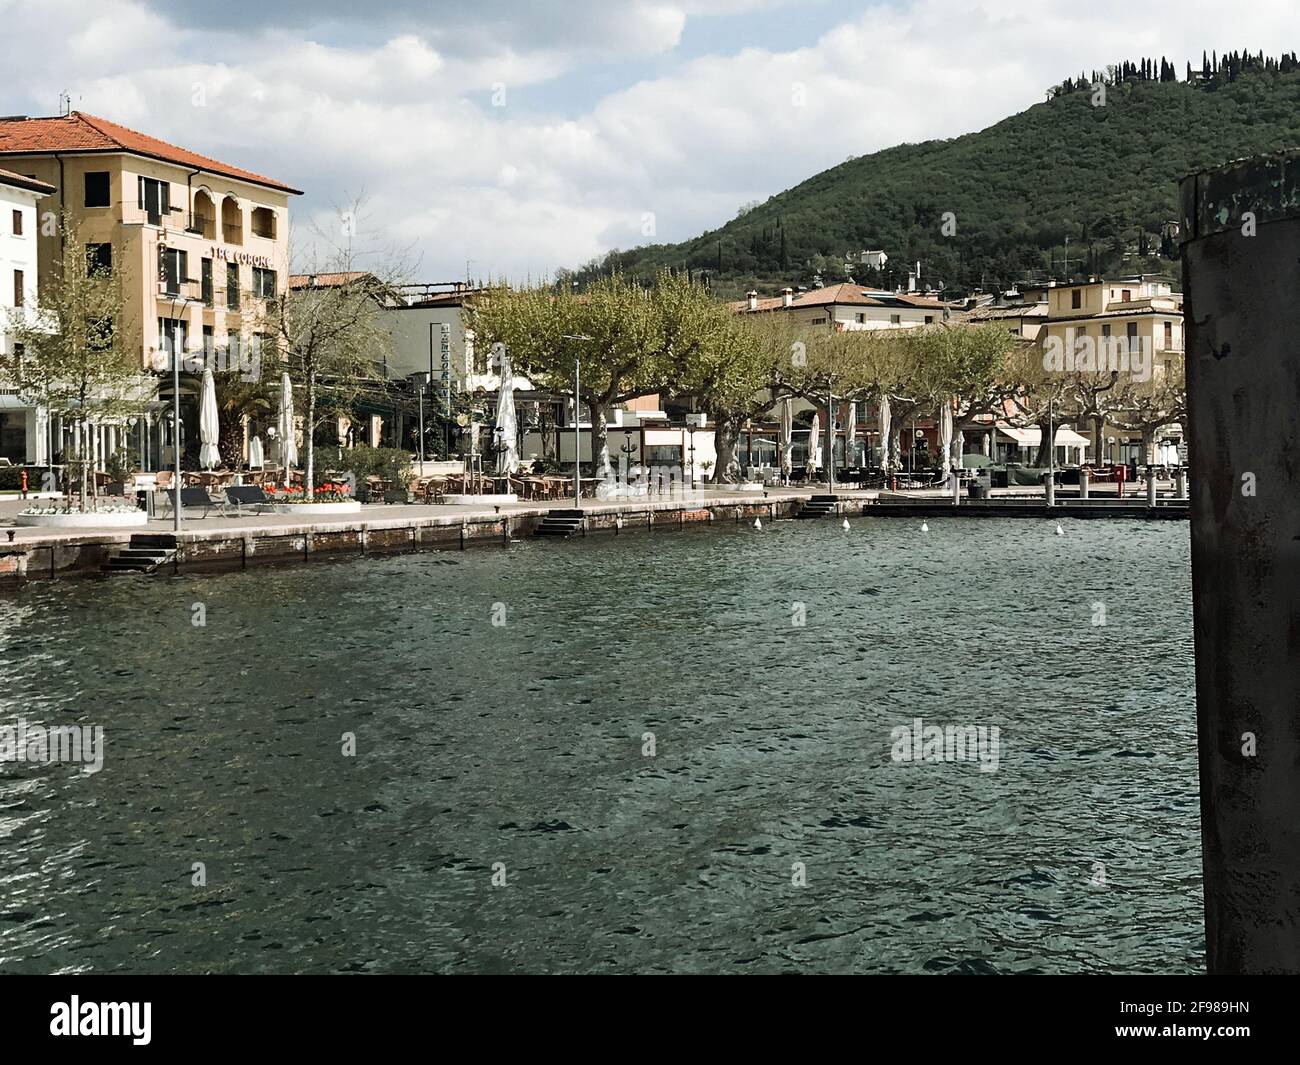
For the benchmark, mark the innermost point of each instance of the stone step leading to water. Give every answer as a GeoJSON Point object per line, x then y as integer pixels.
{"type": "Point", "coordinates": [561, 523]}
{"type": "Point", "coordinates": [144, 554]}
{"type": "Point", "coordinates": [820, 506]}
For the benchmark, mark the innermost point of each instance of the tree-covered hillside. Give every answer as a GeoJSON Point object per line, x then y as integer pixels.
{"type": "Point", "coordinates": [1082, 183]}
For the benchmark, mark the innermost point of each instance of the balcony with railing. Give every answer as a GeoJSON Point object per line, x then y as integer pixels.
{"type": "Point", "coordinates": [132, 214]}
{"type": "Point", "coordinates": [179, 291]}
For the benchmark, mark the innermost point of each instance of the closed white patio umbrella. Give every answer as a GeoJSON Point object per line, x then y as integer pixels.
{"type": "Point", "coordinates": [945, 434]}
{"type": "Point", "coordinates": [209, 424]}
{"type": "Point", "coordinates": [285, 426]}
{"type": "Point", "coordinates": [787, 439]}
{"type": "Point", "coordinates": [886, 441]}
{"type": "Point", "coordinates": [851, 436]}
{"type": "Point", "coordinates": [815, 444]}
{"type": "Point", "coordinates": [507, 431]}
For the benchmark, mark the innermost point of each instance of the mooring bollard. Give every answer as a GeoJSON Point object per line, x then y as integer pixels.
{"type": "Point", "coordinates": [1151, 486]}
{"type": "Point", "coordinates": [954, 479]}
{"type": "Point", "coordinates": [1083, 484]}
{"type": "Point", "coordinates": [1239, 231]}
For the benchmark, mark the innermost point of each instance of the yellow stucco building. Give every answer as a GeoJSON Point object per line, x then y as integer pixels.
{"type": "Point", "coordinates": [1083, 319]}
{"type": "Point", "coordinates": [201, 246]}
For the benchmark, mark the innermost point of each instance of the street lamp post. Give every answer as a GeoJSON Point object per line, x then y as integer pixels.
{"type": "Point", "coordinates": [577, 422]}
{"type": "Point", "coordinates": [420, 381]}
{"type": "Point", "coordinates": [176, 433]}
{"type": "Point", "coordinates": [182, 302]}
{"type": "Point", "coordinates": [1051, 451]}
{"type": "Point", "coordinates": [628, 449]}
{"type": "Point", "coordinates": [830, 440]}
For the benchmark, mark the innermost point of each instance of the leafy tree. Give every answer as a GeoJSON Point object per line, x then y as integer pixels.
{"type": "Point", "coordinates": [1148, 406]}
{"type": "Point", "coordinates": [968, 367]}
{"type": "Point", "coordinates": [627, 341]}
{"type": "Point", "coordinates": [330, 337]}
{"type": "Point", "coordinates": [736, 377]}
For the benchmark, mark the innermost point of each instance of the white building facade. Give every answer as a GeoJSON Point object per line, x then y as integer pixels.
{"type": "Point", "coordinates": [22, 426]}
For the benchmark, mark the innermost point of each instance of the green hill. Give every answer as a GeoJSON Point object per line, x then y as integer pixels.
{"type": "Point", "coordinates": [1102, 177]}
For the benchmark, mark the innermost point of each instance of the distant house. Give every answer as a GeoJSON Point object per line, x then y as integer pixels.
{"type": "Point", "coordinates": [1147, 314]}
{"type": "Point", "coordinates": [847, 306]}
{"type": "Point", "coordinates": [1020, 319]}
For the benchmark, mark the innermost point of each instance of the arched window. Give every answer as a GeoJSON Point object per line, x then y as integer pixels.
{"type": "Point", "coordinates": [232, 221]}
{"type": "Point", "coordinates": [263, 222]}
{"type": "Point", "coordinates": [203, 216]}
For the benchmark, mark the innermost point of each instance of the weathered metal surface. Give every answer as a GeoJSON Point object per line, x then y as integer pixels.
{"type": "Point", "coordinates": [1242, 319]}
{"type": "Point", "coordinates": [1267, 187]}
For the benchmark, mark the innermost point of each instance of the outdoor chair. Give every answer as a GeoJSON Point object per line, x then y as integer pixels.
{"type": "Point", "coordinates": [191, 499]}
{"type": "Point", "coordinates": [240, 496]}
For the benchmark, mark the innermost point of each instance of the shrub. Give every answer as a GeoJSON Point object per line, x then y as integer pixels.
{"type": "Point", "coordinates": [11, 478]}
{"type": "Point", "coordinates": [390, 463]}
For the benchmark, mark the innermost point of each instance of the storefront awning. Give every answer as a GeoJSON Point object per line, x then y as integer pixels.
{"type": "Point", "coordinates": [1032, 436]}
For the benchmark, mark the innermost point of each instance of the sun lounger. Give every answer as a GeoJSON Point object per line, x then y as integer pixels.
{"type": "Point", "coordinates": [191, 499]}
{"type": "Point", "coordinates": [240, 496]}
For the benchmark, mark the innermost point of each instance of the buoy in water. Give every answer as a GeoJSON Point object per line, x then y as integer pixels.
{"type": "Point", "coordinates": [1059, 530]}
{"type": "Point", "coordinates": [758, 523]}
{"type": "Point", "coordinates": [924, 527]}
{"type": "Point", "coordinates": [846, 524]}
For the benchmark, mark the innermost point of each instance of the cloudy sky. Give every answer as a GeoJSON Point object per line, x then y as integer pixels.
{"type": "Point", "coordinates": [508, 138]}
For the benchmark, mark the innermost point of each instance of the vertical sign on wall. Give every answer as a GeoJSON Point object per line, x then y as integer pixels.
{"type": "Point", "coordinates": [445, 347]}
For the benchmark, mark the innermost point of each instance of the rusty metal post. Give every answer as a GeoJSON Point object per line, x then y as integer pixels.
{"type": "Point", "coordinates": [1240, 235]}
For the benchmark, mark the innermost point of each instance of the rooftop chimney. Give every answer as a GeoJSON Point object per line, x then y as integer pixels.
{"type": "Point", "coordinates": [752, 296]}
{"type": "Point", "coordinates": [787, 297]}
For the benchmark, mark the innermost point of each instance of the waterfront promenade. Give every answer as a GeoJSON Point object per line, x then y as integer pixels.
{"type": "Point", "coordinates": [382, 515]}
{"type": "Point", "coordinates": [220, 539]}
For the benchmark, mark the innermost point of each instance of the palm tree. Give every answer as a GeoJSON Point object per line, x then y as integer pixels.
{"type": "Point", "coordinates": [237, 399]}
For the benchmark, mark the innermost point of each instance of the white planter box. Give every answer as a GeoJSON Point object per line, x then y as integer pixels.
{"type": "Point", "coordinates": [92, 520]}
{"type": "Point", "coordinates": [731, 489]}
{"type": "Point", "coordinates": [349, 506]}
{"type": "Point", "coordinates": [485, 500]}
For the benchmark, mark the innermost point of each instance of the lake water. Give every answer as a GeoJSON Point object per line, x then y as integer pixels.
{"type": "Point", "coordinates": [772, 829]}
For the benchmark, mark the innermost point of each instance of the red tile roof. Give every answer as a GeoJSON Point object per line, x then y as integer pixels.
{"type": "Point", "coordinates": [21, 181]}
{"type": "Point", "coordinates": [78, 132]}
{"type": "Point", "coordinates": [843, 293]}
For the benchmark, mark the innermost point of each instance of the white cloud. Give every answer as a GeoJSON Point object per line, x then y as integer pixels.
{"type": "Point", "coordinates": [399, 104]}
